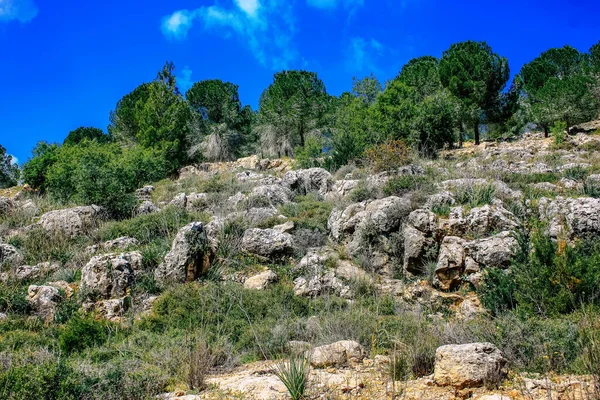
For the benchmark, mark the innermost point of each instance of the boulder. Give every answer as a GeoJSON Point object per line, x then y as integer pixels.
{"type": "Point", "coordinates": [120, 243]}
{"type": "Point", "coordinates": [419, 233]}
{"type": "Point", "coordinates": [261, 281]}
{"type": "Point", "coordinates": [71, 221]}
{"type": "Point", "coordinates": [480, 220]}
{"type": "Point", "coordinates": [267, 242]}
{"type": "Point", "coordinates": [147, 207]}
{"type": "Point", "coordinates": [315, 258]}
{"type": "Point", "coordinates": [6, 205]}
{"type": "Point", "coordinates": [321, 284]}
{"type": "Point", "coordinates": [459, 257]}
{"type": "Point", "coordinates": [110, 275]}
{"type": "Point", "coordinates": [196, 201]}
{"type": "Point", "coordinates": [578, 215]}
{"type": "Point", "coordinates": [286, 227]}
{"type": "Point", "coordinates": [342, 188]}
{"type": "Point", "coordinates": [468, 365]}
{"type": "Point", "coordinates": [303, 181]}
{"type": "Point", "coordinates": [113, 309]}
{"type": "Point", "coordinates": [25, 272]}
{"type": "Point", "coordinates": [338, 354]}
{"type": "Point", "coordinates": [270, 195]}
{"type": "Point", "coordinates": [43, 299]}
{"type": "Point", "coordinates": [190, 256]}
{"type": "Point", "coordinates": [10, 255]}
{"type": "Point", "coordinates": [179, 201]}
{"type": "Point", "coordinates": [144, 193]}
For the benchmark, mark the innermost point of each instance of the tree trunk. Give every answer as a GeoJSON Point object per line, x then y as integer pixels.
{"type": "Point", "coordinates": [546, 131]}
{"type": "Point", "coordinates": [460, 135]}
{"type": "Point", "coordinates": [476, 133]}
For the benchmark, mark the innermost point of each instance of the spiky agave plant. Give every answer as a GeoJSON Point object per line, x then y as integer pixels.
{"type": "Point", "coordinates": [294, 375]}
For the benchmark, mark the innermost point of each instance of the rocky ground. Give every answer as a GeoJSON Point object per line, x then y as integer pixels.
{"type": "Point", "coordinates": [423, 234]}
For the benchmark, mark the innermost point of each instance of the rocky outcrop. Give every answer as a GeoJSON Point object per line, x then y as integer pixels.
{"type": "Point", "coordinates": [10, 255]}
{"type": "Point", "coordinates": [480, 220]}
{"type": "Point", "coordinates": [120, 243]}
{"type": "Point", "coordinates": [147, 207]}
{"type": "Point", "coordinates": [261, 281]}
{"type": "Point", "coordinates": [459, 257]}
{"type": "Point", "coordinates": [342, 353]}
{"type": "Point", "coordinates": [43, 300]}
{"type": "Point", "coordinates": [321, 284]}
{"type": "Point", "coordinates": [71, 221]}
{"type": "Point", "coordinates": [382, 215]}
{"type": "Point", "coordinates": [267, 242]}
{"type": "Point", "coordinates": [270, 195]}
{"type": "Point", "coordinates": [25, 272]}
{"type": "Point", "coordinates": [571, 216]}
{"type": "Point", "coordinates": [420, 232]}
{"type": "Point", "coordinates": [110, 275]}
{"type": "Point", "coordinates": [342, 188]}
{"type": "Point", "coordinates": [469, 365]}
{"type": "Point", "coordinates": [309, 180]}
{"type": "Point", "coordinates": [190, 256]}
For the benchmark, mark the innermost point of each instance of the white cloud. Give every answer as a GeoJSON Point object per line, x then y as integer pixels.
{"type": "Point", "coordinates": [177, 24]}
{"type": "Point", "coordinates": [250, 7]}
{"type": "Point", "coordinates": [14, 160]}
{"type": "Point", "coordinates": [20, 10]}
{"type": "Point", "coordinates": [184, 80]}
{"type": "Point", "coordinates": [266, 29]}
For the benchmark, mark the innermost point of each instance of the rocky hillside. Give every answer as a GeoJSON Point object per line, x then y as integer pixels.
{"type": "Point", "coordinates": [474, 275]}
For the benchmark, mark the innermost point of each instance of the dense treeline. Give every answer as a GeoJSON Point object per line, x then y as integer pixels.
{"type": "Point", "coordinates": [432, 104]}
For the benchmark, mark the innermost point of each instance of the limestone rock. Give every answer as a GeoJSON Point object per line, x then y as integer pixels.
{"type": "Point", "coordinates": [267, 242]}
{"type": "Point", "coordinates": [10, 255]}
{"type": "Point", "coordinates": [270, 195]}
{"type": "Point", "coordinates": [286, 227]}
{"type": "Point", "coordinates": [468, 365]}
{"type": "Point", "coordinates": [321, 284]}
{"type": "Point", "coordinates": [71, 221]}
{"type": "Point", "coordinates": [25, 272]}
{"type": "Point", "coordinates": [308, 180]}
{"type": "Point", "coordinates": [190, 256]}
{"type": "Point", "coordinates": [338, 354]}
{"type": "Point", "coordinates": [147, 207]}
{"type": "Point", "coordinates": [578, 215]}
{"type": "Point", "coordinates": [110, 275]}
{"type": "Point", "coordinates": [120, 243]}
{"type": "Point", "coordinates": [261, 281]}
{"type": "Point", "coordinates": [43, 300]}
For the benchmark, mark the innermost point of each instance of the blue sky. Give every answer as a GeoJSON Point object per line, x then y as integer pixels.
{"type": "Point", "coordinates": [66, 63]}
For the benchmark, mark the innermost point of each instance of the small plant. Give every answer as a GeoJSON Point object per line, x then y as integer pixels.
{"type": "Point", "coordinates": [402, 184]}
{"type": "Point", "coordinates": [577, 173]}
{"type": "Point", "coordinates": [475, 195]}
{"type": "Point", "coordinates": [388, 156]}
{"type": "Point", "coordinates": [201, 360]}
{"type": "Point", "coordinates": [441, 210]}
{"type": "Point", "coordinates": [294, 375]}
{"type": "Point", "coordinates": [360, 193]}
{"type": "Point", "coordinates": [559, 132]}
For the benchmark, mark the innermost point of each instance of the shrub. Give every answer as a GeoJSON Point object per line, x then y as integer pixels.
{"type": "Point", "coordinates": [81, 332]}
{"type": "Point", "coordinates": [559, 132]}
{"type": "Point", "coordinates": [308, 156]}
{"type": "Point", "coordinates": [577, 173]}
{"type": "Point", "coordinates": [388, 156]}
{"type": "Point", "coordinates": [308, 212]}
{"type": "Point", "coordinates": [360, 193]}
{"type": "Point", "coordinates": [401, 184]}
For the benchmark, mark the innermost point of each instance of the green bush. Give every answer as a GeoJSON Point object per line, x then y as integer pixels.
{"type": "Point", "coordinates": [577, 173]}
{"type": "Point", "coordinates": [308, 212]}
{"type": "Point", "coordinates": [546, 278]}
{"type": "Point", "coordinates": [81, 332]}
{"type": "Point", "coordinates": [402, 184]}
{"type": "Point", "coordinates": [559, 132]}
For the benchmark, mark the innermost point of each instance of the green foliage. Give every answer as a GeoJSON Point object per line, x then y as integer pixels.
{"type": "Point", "coordinates": [366, 89]}
{"type": "Point", "coordinates": [558, 87]}
{"type": "Point", "coordinates": [290, 108]}
{"type": "Point", "coordinates": [224, 126]}
{"type": "Point", "coordinates": [294, 374]}
{"type": "Point", "coordinates": [35, 170]}
{"type": "Point", "coordinates": [360, 193]}
{"type": "Point", "coordinates": [86, 133]}
{"type": "Point", "coordinates": [102, 174]}
{"type": "Point", "coordinates": [559, 132]}
{"type": "Point", "coordinates": [475, 75]}
{"type": "Point", "coordinates": [308, 155]}
{"type": "Point", "coordinates": [401, 184]}
{"type": "Point", "coordinates": [475, 195]}
{"type": "Point", "coordinates": [394, 111]}
{"type": "Point", "coordinates": [124, 123]}
{"type": "Point", "coordinates": [546, 278]}
{"type": "Point", "coordinates": [353, 129]}
{"type": "Point", "coordinates": [9, 172]}
{"type": "Point", "coordinates": [81, 332]}
{"type": "Point", "coordinates": [388, 156]}
{"type": "Point", "coordinates": [308, 212]}
{"type": "Point", "coordinates": [148, 228]}
{"type": "Point", "coordinates": [422, 74]}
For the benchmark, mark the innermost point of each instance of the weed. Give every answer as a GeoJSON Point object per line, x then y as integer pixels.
{"type": "Point", "coordinates": [294, 374]}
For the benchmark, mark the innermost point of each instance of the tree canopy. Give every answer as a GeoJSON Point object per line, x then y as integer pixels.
{"type": "Point", "coordinates": [9, 171]}
{"type": "Point", "coordinates": [476, 76]}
